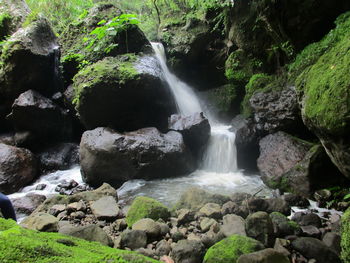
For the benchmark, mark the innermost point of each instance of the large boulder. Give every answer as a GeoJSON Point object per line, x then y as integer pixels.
{"type": "Point", "coordinates": [291, 164]}
{"type": "Point", "coordinates": [195, 130]}
{"type": "Point", "coordinates": [189, 251]}
{"type": "Point", "coordinates": [28, 203]}
{"type": "Point", "coordinates": [145, 207]}
{"type": "Point", "coordinates": [34, 113]}
{"type": "Point", "coordinates": [124, 93]}
{"type": "Point", "coordinates": [108, 156]}
{"type": "Point", "coordinates": [324, 94]}
{"type": "Point", "coordinates": [31, 53]}
{"type": "Point", "coordinates": [231, 248]}
{"type": "Point", "coordinates": [18, 167]}
{"type": "Point", "coordinates": [267, 255]}
{"type": "Point", "coordinates": [260, 227]}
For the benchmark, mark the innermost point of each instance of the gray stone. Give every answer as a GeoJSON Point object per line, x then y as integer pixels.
{"type": "Point", "coordinates": [211, 210]}
{"type": "Point", "coordinates": [42, 222]}
{"type": "Point", "coordinates": [185, 216]}
{"type": "Point", "coordinates": [149, 226]}
{"type": "Point", "coordinates": [133, 239]}
{"type": "Point", "coordinates": [332, 240]}
{"type": "Point", "coordinates": [314, 248]}
{"type": "Point", "coordinates": [28, 203]}
{"type": "Point", "coordinates": [106, 208]}
{"type": "Point", "coordinates": [259, 226]}
{"type": "Point", "coordinates": [206, 223]}
{"type": "Point", "coordinates": [310, 231]}
{"type": "Point", "coordinates": [189, 251]}
{"type": "Point", "coordinates": [88, 232]}
{"type": "Point", "coordinates": [283, 226]}
{"type": "Point", "coordinates": [163, 248]}
{"type": "Point", "coordinates": [233, 224]}
{"type": "Point", "coordinates": [281, 246]}
{"type": "Point", "coordinates": [268, 255]}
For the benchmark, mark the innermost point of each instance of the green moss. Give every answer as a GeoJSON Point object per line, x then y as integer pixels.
{"type": "Point", "coordinates": [21, 245]}
{"type": "Point", "coordinates": [231, 248]}
{"type": "Point", "coordinates": [117, 70]}
{"type": "Point", "coordinates": [325, 87]}
{"type": "Point", "coordinates": [345, 237]}
{"type": "Point", "coordinates": [145, 207]}
{"type": "Point", "coordinates": [257, 83]}
{"type": "Point", "coordinates": [5, 21]}
{"type": "Point", "coordinates": [32, 17]}
{"type": "Point", "coordinates": [313, 52]}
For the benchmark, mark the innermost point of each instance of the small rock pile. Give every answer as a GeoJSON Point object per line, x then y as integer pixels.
{"type": "Point", "coordinates": [202, 227]}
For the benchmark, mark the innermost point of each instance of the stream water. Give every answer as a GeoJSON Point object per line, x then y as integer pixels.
{"type": "Point", "coordinates": [217, 172]}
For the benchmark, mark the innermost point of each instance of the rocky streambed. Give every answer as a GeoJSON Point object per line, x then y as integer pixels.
{"type": "Point", "coordinates": [201, 227]}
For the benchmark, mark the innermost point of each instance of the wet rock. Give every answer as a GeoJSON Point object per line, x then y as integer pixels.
{"type": "Point", "coordinates": [296, 200]}
{"type": "Point", "coordinates": [195, 198]}
{"type": "Point", "coordinates": [18, 167]}
{"type": "Point", "coordinates": [260, 227]}
{"type": "Point", "coordinates": [314, 248]}
{"type": "Point", "coordinates": [189, 251]}
{"type": "Point", "coordinates": [278, 205]}
{"type": "Point", "coordinates": [281, 246]}
{"type": "Point", "coordinates": [307, 219]}
{"type": "Point", "coordinates": [310, 231]}
{"type": "Point", "coordinates": [231, 248]}
{"type": "Point", "coordinates": [28, 203]}
{"type": "Point", "coordinates": [59, 157]}
{"type": "Point", "coordinates": [42, 222]}
{"type": "Point", "coordinates": [133, 239]}
{"type": "Point", "coordinates": [145, 207]}
{"type": "Point", "coordinates": [163, 248]}
{"type": "Point", "coordinates": [256, 204]}
{"type": "Point", "coordinates": [38, 115]}
{"type": "Point", "coordinates": [267, 255]}
{"type": "Point", "coordinates": [145, 154]}
{"type": "Point", "coordinates": [149, 226]}
{"type": "Point", "coordinates": [332, 240]}
{"type": "Point", "coordinates": [88, 232]}
{"type": "Point", "coordinates": [106, 208]}
{"type": "Point", "coordinates": [185, 216]}
{"type": "Point", "coordinates": [124, 93]}
{"type": "Point", "coordinates": [195, 130]}
{"type": "Point", "coordinates": [233, 225]}
{"type": "Point", "coordinates": [283, 226]}
{"type": "Point", "coordinates": [211, 210]}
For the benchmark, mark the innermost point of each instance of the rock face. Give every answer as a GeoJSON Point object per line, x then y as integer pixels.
{"type": "Point", "coordinates": [108, 156]}
{"type": "Point", "coordinates": [195, 130]}
{"type": "Point", "coordinates": [124, 93]}
{"type": "Point", "coordinates": [31, 53]}
{"type": "Point", "coordinates": [32, 112]}
{"type": "Point", "coordinates": [291, 164]}
{"type": "Point", "coordinates": [18, 167]}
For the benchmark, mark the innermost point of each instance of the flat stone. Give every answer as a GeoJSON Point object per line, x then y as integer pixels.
{"type": "Point", "coordinates": [106, 208]}
{"type": "Point", "coordinates": [233, 224]}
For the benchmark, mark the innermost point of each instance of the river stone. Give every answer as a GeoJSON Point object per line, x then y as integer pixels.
{"type": "Point", "coordinates": [194, 128]}
{"type": "Point", "coordinates": [88, 232]}
{"type": "Point", "coordinates": [314, 248]}
{"type": "Point", "coordinates": [133, 239]}
{"type": "Point", "coordinates": [195, 198]}
{"type": "Point", "coordinates": [106, 208]}
{"type": "Point", "coordinates": [233, 225]}
{"type": "Point", "coordinates": [332, 240]}
{"type": "Point", "coordinates": [281, 246]}
{"type": "Point", "coordinates": [163, 248]}
{"type": "Point", "coordinates": [268, 255]}
{"type": "Point", "coordinates": [259, 226]}
{"type": "Point", "coordinates": [185, 216]}
{"type": "Point", "coordinates": [283, 226]}
{"type": "Point", "coordinates": [310, 231]}
{"type": "Point", "coordinates": [189, 251]}
{"type": "Point", "coordinates": [42, 222]}
{"type": "Point", "coordinates": [231, 248]}
{"type": "Point", "coordinates": [18, 167]}
{"type": "Point", "coordinates": [206, 223]}
{"type": "Point", "coordinates": [149, 226]}
{"type": "Point", "coordinates": [278, 205]}
{"type": "Point", "coordinates": [108, 156]}
{"type": "Point", "coordinates": [28, 203]}
{"type": "Point", "coordinates": [307, 219]}
{"type": "Point", "coordinates": [211, 210]}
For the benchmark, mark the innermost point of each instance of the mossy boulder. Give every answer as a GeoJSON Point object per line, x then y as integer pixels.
{"type": "Point", "coordinates": [75, 53]}
{"type": "Point", "coordinates": [345, 237]}
{"type": "Point", "coordinates": [22, 245]}
{"type": "Point", "coordinates": [325, 96]}
{"type": "Point", "coordinates": [145, 207]}
{"type": "Point", "coordinates": [231, 248]}
{"type": "Point", "coordinates": [124, 93]}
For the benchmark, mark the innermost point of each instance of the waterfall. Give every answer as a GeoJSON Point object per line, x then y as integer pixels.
{"type": "Point", "coordinates": [221, 154]}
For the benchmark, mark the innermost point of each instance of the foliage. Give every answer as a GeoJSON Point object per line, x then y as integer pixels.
{"type": "Point", "coordinates": [22, 245]}
{"type": "Point", "coordinates": [98, 36]}
{"type": "Point", "coordinates": [345, 237]}
{"type": "Point", "coordinates": [60, 12]}
{"type": "Point", "coordinates": [5, 20]}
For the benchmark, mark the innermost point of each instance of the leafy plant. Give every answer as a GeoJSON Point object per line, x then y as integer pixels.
{"type": "Point", "coordinates": [98, 37]}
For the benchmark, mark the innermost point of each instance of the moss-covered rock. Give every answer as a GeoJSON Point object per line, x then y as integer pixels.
{"type": "Point", "coordinates": [325, 95]}
{"type": "Point", "coordinates": [5, 21]}
{"type": "Point", "coordinates": [345, 237]}
{"type": "Point", "coordinates": [231, 248]}
{"type": "Point", "coordinates": [124, 93]}
{"type": "Point", "coordinates": [145, 207]}
{"type": "Point", "coordinates": [21, 245]}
